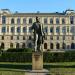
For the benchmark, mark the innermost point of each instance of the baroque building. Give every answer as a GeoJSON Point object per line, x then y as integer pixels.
{"type": "Point", "coordinates": [59, 29]}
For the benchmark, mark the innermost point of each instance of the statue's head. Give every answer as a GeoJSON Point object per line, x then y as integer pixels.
{"type": "Point", "coordinates": [37, 19]}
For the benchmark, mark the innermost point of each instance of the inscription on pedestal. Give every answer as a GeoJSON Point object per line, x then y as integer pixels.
{"type": "Point", "coordinates": [37, 61]}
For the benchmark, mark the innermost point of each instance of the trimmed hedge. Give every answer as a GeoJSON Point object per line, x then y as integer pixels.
{"type": "Point", "coordinates": [16, 57]}
{"type": "Point", "coordinates": [19, 50]}
{"type": "Point", "coordinates": [48, 57]}
{"type": "Point", "coordinates": [68, 56]}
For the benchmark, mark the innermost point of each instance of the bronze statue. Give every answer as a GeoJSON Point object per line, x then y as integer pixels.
{"type": "Point", "coordinates": [38, 34]}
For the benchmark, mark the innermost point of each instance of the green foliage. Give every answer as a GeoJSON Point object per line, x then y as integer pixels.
{"type": "Point", "coordinates": [68, 56]}
{"type": "Point", "coordinates": [19, 50]}
{"type": "Point", "coordinates": [25, 55]}
{"type": "Point", "coordinates": [16, 57]}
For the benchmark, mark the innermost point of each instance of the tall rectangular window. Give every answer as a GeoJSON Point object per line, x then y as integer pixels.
{"type": "Point", "coordinates": [17, 37]}
{"type": "Point", "coordinates": [64, 37]}
{"type": "Point", "coordinates": [64, 29]}
{"type": "Point", "coordinates": [45, 29]}
{"type": "Point", "coordinates": [45, 20]}
{"type": "Point", "coordinates": [18, 29]}
{"type": "Point", "coordinates": [51, 37]}
{"type": "Point", "coordinates": [23, 37]}
{"type": "Point", "coordinates": [30, 30]}
{"type": "Point", "coordinates": [18, 21]}
{"type": "Point", "coordinates": [71, 19]}
{"type": "Point", "coordinates": [3, 19]}
{"type": "Point", "coordinates": [11, 37]}
{"type": "Point", "coordinates": [57, 37]}
{"type": "Point", "coordinates": [24, 29]}
{"type": "Point", "coordinates": [2, 37]}
{"type": "Point", "coordinates": [3, 29]}
{"type": "Point", "coordinates": [57, 29]}
{"type": "Point", "coordinates": [12, 29]}
{"type": "Point", "coordinates": [72, 37]}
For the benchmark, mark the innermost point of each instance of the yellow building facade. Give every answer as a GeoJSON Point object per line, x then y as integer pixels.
{"type": "Point", "coordinates": [59, 29]}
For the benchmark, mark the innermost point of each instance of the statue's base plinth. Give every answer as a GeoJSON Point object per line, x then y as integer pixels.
{"type": "Point", "coordinates": [37, 72]}
{"type": "Point", "coordinates": [37, 61]}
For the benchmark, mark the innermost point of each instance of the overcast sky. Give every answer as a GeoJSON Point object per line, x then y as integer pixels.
{"type": "Point", "coordinates": [37, 5]}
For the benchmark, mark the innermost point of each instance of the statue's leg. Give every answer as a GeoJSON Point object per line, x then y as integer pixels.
{"type": "Point", "coordinates": [38, 47]}
{"type": "Point", "coordinates": [36, 42]}
{"type": "Point", "coordinates": [41, 47]}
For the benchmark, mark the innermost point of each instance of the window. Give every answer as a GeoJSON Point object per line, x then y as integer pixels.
{"type": "Point", "coordinates": [51, 37]}
{"type": "Point", "coordinates": [30, 37]}
{"type": "Point", "coordinates": [57, 37]}
{"type": "Point", "coordinates": [63, 46]}
{"type": "Point", "coordinates": [18, 21]}
{"type": "Point", "coordinates": [2, 45]}
{"type": "Point", "coordinates": [51, 45]}
{"type": "Point", "coordinates": [17, 37]}
{"type": "Point", "coordinates": [23, 45]}
{"type": "Point", "coordinates": [30, 30]}
{"type": "Point", "coordinates": [11, 45]}
{"type": "Point", "coordinates": [46, 29]}
{"type": "Point", "coordinates": [3, 29]}
{"type": "Point", "coordinates": [72, 45]}
{"type": "Point", "coordinates": [12, 21]}
{"type": "Point", "coordinates": [57, 46]}
{"type": "Point", "coordinates": [30, 45]}
{"type": "Point", "coordinates": [71, 19]}
{"type": "Point", "coordinates": [17, 45]}
{"type": "Point", "coordinates": [45, 20]}
{"type": "Point", "coordinates": [51, 30]}
{"type": "Point", "coordinates": [18, 30]}
{"type": "Point", "coordinates": [24, 21]}
{"type": "Point", "coordinates": [24, 29]}
{"type": "Point", "coordinates": [63, 21]}
{"type": "Point", "coordinates": [30, 20]}
{"type": "Point", "coordinates": [64, 29]}
{"type": "Point", "coordinates": [23, 37]}
{"type": "Point", "coordinates": [57, 20]}
{"type": "Point", "coordinates": [72, 29]}
{"type": "Point", "coordinates": [3, 19]}
{"type": "Point", "coordinates": [51, 21]}
{"type": "Point", "coordinates": [2, 37]}
{"type": "Point", "coordinates": [45, 45]}
{"type": "Point", "coordinates": [12, 29]}
{"type": "Point", "coordinates": [11, 37]}
{"type": "Point", "coordinates": [72, 37]}
{"type": "Point", "coordinates": [63, 37]}
{"type": "Point", "coordinates": [57, 29]}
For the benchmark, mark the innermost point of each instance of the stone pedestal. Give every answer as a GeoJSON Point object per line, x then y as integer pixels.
{"type": "Point", "coordinates": [37, 65]}
{"type": "Point", "coordinates": [37, 61]}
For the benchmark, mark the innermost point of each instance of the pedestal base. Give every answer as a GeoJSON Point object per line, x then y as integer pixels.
{"type": "Point", "coordinates": [38, 72]}
{"type": "Point", "coordinates": [37, 61]}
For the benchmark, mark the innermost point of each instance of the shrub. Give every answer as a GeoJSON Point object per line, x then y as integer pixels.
{"type": "Point", "coordinates": [19, 50]}
{"type": "Point", "coordinates": [26, 56]}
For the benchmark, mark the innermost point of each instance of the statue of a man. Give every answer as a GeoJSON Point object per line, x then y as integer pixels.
{"type": "Point", "coordinates": [38, 34]}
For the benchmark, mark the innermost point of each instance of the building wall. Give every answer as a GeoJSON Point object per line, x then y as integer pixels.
{"type": "Point", "coordinates": [54, 37]}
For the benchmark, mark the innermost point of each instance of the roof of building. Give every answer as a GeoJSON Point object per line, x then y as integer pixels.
{"type": "Point", "coordinates": [68, 11]}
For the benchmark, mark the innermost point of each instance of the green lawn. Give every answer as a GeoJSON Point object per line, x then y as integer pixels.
{"type": "Point", "coordinates": [11, 73]}
{"type": "Point", "coordinates": [63, 68]}
{"type": "Point", "coordinates": [62, 71]}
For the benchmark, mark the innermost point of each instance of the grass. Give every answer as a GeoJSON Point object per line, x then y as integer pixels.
{"type": "Point", "coordinates": [13, 65]}
{"type": "Point", "coordinates": [53, 71]}
{"type": "Point", "coordinates": [58, 68]}
{"type": "Point", "coordinates": [11, 73]}
{"type": "Point", "coordinates": [62, 71]}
